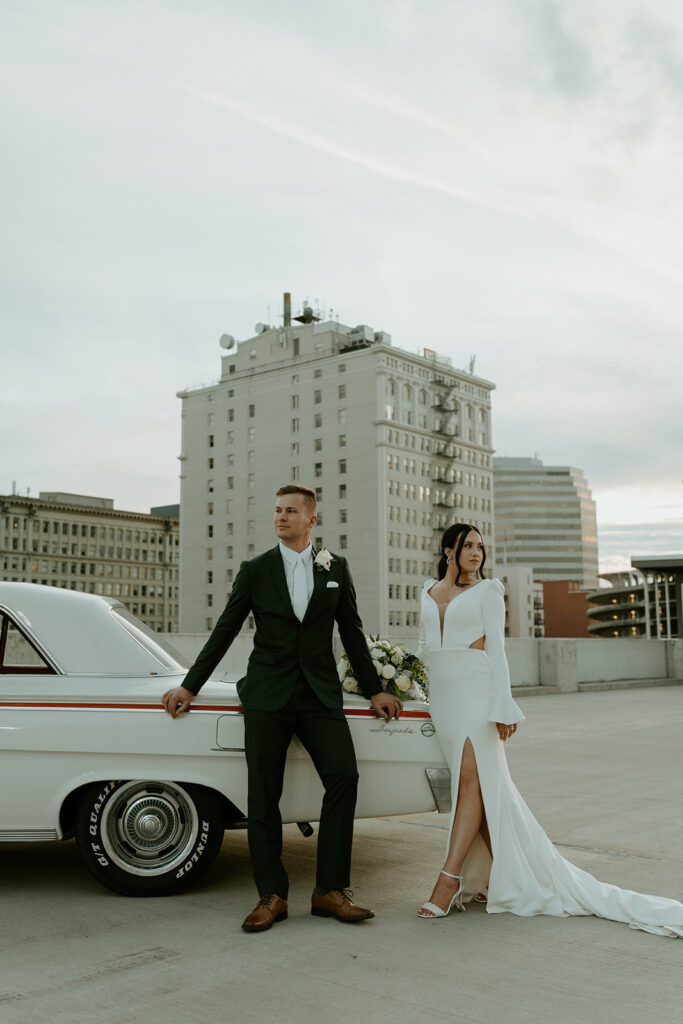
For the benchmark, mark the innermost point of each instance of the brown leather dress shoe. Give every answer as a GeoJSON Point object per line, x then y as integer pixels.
{"type": "Point", "coordinates": [337, 903]}
{"type": "Point", "coordinates": [268, 910]}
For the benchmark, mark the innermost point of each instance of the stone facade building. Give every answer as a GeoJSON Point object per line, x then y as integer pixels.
{"type": "Point", "coordinates": [524, 610]}
{"type": "Point", "coordinates": [84, 543]}
{"type": "Point", "coordinates": [397, 446]}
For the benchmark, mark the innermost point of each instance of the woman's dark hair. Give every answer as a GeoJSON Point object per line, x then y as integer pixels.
{"type": "Point", "coordinates": [454, 537]}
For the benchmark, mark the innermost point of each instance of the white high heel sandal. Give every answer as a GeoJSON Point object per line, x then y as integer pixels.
{"type": "Point", "coordinates": [456, 900]}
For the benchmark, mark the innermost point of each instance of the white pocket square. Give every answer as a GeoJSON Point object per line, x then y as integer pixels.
{"type": "Point", "coordinates": [332, 583]}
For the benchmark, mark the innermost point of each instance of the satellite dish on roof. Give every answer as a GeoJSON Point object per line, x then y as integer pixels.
{"type": "Point", "coordinates": [260, 328]}
{"type": "Point", "coordinates": [226, 341]}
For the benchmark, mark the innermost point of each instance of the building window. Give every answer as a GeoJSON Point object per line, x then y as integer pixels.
{"type": "Point", "coordinates": [318, 444]}
{"type": "Point", "coordinates": [319, 496]}
{"type": "Point", "coordinates": [251, 479]}
{"type": "Point", "coordinates": [341, 391]}
{"type": "Point", "coordinates": [295, 401]}
{"type": "Point", "coordinates": [209, 508]}
{"type": "Point", "coordinates": [342, 465]}
{"type": "Point", "coordinates": [251, 434]}
{"type": "Point", "coordinates": [342, 368]}
{"type": "Point", "coordinates": [317, 397]}
{"type": "Point", "coordinates": [341, 416]}
{"type": "Point", "coordinates": [318, 372]}
{"type": "Point", "coordinates": [210, 439]}
{"type": "Point", "coordinates": [295, 448]}
{"type": "Point", "coordinates": [318, 420]}
{"type": "Point", "coordinates": [252, 411]}
{"type": "Point", "coordinates": [231, 415]}
{"type": "Point", "coordinates": [342, 541]}
{"type": "Point", "coordinates": [251, 503]}
{"type": "Point", "coordinates": [209, 600]}
{"type": "Point", "coordinates": [251, 528]}
{"type": "Point", "coordinates": [230, 437]}
{"type": "Point", "coordinates": [342, 515]}
{"type": "Point", "coordinates": [295, 424]}
{"type": "Point", "coordinates": [209, 486]}
{"type": "Point", "coordinates": [342, 490]}
{"type": "Point", "coordinates": [318, 469]}
{"type": "Point", "coordinates": [209, 463]}
{"type": "Point", "coordinates": [295, 472]}
{"type": "Point", "coordinates": [342, 440]}
{"type": "Point", "coordinates": [250, 456]}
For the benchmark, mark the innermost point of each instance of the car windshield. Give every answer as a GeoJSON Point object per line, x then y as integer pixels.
{"type": "Point", "coordinates": [164, 652]}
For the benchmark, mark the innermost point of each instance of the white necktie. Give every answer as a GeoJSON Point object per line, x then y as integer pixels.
{"type": "Point", "coordinates": [299, 589]}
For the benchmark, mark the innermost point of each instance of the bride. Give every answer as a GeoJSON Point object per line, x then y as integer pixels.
{"type": "Point", "coordinates": [497, 852]}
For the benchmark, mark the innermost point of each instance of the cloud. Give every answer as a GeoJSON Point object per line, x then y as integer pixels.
{"type": "Point", "coordinates": [493, 178]}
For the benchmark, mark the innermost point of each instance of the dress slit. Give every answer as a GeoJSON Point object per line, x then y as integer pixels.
{"type": "Point", "coordinates": [477, 865]}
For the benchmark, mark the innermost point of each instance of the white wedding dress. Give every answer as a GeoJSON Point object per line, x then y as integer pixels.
{"type": "Point", "coordinates": [469, 690]}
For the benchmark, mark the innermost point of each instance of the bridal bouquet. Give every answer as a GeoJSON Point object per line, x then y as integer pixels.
{"type": "Point", "coordinates": [401, 673]}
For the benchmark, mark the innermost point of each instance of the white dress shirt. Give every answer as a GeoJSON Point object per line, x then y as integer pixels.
{"type": "Point", "coordinates": [304, 560]}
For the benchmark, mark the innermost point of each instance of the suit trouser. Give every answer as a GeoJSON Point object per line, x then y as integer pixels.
{"type": "Point", "coordinates": [324, 732]}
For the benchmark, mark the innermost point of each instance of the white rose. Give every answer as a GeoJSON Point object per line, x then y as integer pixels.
{"type": "Point", "coordinates": [376, 653]}
{"type": "Point", "coordinates": [351, 685]}
{"type": "Point", "coordinates": [385, 644]}
{"type": "Point", "coordinates": [404, 683]}
{"type": "Point", "coordinates": [388, 671]}
{"type": "Point", "coordinates": [378, 667]}
{"type": "Point", "coordinates": [323, 558]}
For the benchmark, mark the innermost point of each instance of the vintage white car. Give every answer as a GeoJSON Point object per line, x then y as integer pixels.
{"type": "Point", "coordinates": [86, 748]}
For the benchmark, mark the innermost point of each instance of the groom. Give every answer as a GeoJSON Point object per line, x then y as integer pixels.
{"type": "Point", "coordinates": [292, 688]}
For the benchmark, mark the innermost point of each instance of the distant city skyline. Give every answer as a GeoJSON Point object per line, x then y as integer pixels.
{"type": "Point", "coordinates": [493, 180]}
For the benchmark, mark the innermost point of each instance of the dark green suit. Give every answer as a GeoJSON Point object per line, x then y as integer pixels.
{"type": "Point", "coordinates": [292, 687]}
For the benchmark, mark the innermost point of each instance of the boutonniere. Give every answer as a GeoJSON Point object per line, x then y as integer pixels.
{"type": "Point", "coordinates": [323, 560]}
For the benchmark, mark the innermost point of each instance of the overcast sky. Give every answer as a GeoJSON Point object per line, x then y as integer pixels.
{"type": "Point", "coordinates": [500, 179]}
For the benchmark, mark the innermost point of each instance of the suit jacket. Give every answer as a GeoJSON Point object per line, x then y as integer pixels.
{"type": "Point", "coordinates": [284, 647]}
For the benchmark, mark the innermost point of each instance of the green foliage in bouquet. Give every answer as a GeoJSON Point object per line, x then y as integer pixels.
{"type": "Point", "coordinates": [401, 673]}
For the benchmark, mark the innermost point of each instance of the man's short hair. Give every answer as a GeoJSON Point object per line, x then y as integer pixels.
{"type": "Point", "coordinates": [307, 492]}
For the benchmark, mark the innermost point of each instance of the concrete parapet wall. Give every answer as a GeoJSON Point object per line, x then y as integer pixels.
{"type": "Point", "coordinates": [599, 659]}
{"type": "Point", "coordinates": [562, 663]}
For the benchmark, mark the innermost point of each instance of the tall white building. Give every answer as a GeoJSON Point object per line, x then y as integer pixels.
{"type": "Point", "coordinates": [545, 518]}
{"type": "Point", "coordinates": [396, 445]}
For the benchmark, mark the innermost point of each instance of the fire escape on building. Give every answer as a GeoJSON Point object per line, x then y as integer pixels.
{"type": "Point", "coordinates": [445, 497]}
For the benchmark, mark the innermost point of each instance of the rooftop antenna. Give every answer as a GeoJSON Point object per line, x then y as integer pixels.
{"type": "Point", "coordinates": [287, 309]}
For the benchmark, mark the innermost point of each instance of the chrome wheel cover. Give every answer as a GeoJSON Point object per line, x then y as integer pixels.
{"type": "Point", "coordinates": [149, 828]}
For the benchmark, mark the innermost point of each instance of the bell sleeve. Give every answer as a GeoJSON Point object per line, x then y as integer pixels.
{"type": "Point", "coordinates": [503, 708]}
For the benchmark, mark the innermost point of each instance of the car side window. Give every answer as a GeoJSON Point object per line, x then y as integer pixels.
{"type": "Point", "coordinates": [17, 653]}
